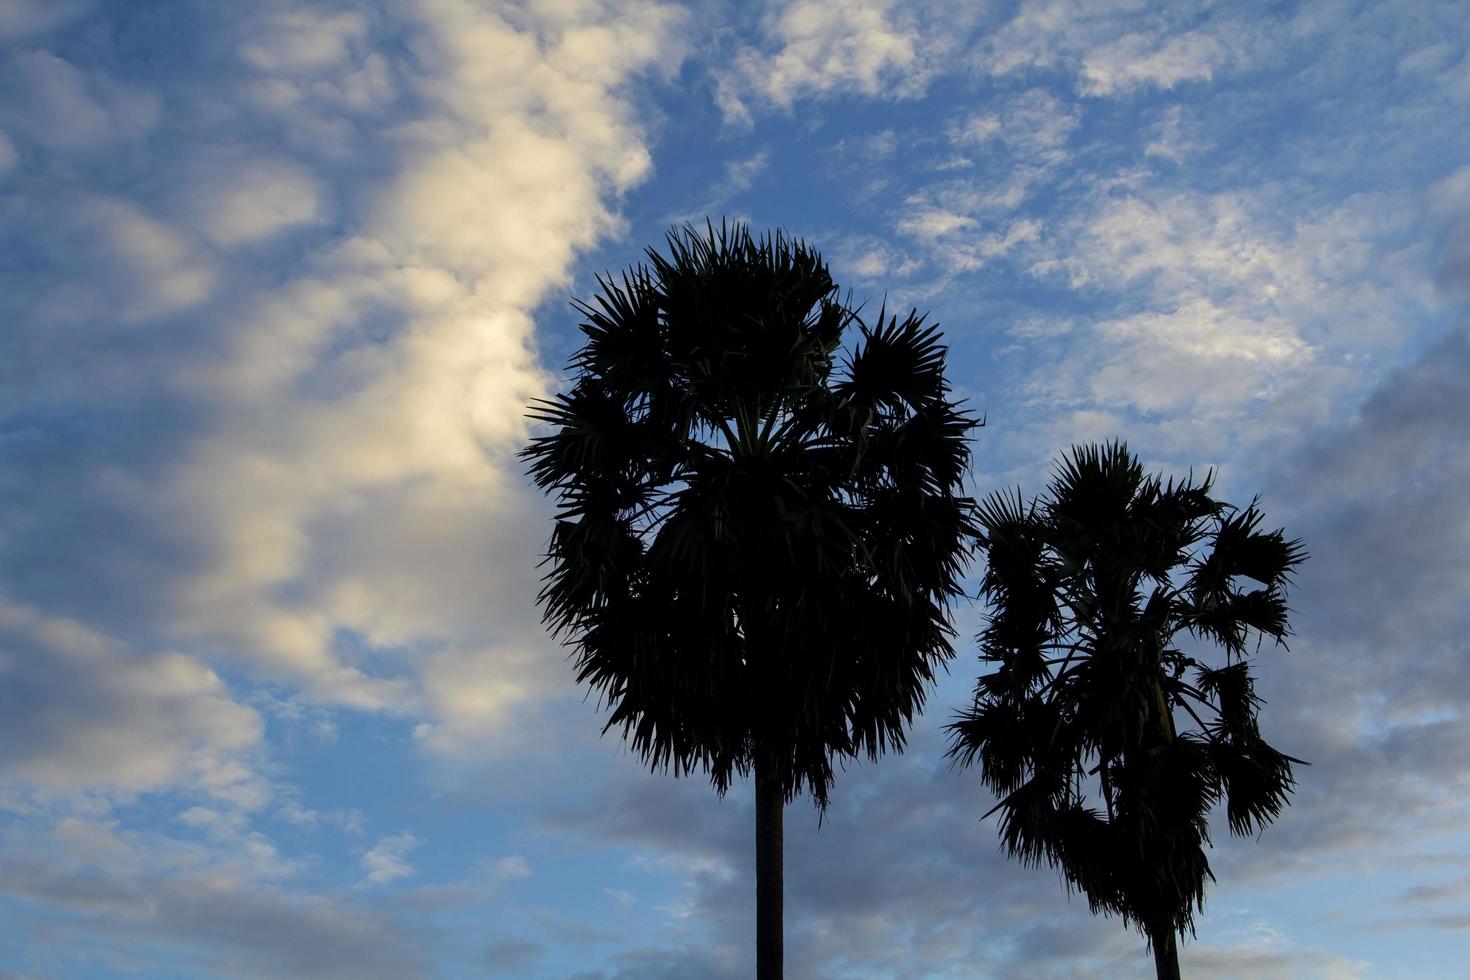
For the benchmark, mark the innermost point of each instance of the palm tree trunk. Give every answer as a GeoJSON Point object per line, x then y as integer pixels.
{"type": "Point", "coordinates": [1166, 953]}
{"type": "Point", "coordinates": [769, 900]}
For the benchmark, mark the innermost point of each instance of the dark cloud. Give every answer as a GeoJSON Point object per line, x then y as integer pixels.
{"type": "Point", "coordinates": [1449, 205]}
{"type": "Point", "coordinates": [222, 927]}
{"type": "Point", "coordinates": [1372, 692]}
{"type": "Point", "coordinates": [902, 880]}
{"type": "Point", "coordinates": [511, 956]}
{"type": "Point", "coordinates": [1440, 891]}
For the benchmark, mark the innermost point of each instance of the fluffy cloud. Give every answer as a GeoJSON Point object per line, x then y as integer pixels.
{"type": "Point", "coordinates": [83, 712]}
{"type": "Point", "coordinates": [1208, 309]}
{"type": "Point", "coordinates": [270, 336]}
{"type": "Point", "coordinates": [327, 496]}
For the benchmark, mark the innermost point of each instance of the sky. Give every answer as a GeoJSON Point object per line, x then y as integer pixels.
{"type": "Point", "coordinates": [278, 280]}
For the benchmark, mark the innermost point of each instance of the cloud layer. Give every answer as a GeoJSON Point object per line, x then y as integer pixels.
{"type": "Point", "coordinates": [278, 280]}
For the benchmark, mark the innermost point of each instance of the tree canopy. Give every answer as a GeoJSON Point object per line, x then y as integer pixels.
{"type": "Point", "coordinates": [1106, 730]}
{"type": "Point", "coordinates": [759, 529]}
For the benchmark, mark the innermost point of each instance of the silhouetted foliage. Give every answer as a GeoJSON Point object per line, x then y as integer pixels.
{"type": "Point", "coordinates": [757, 536]}
{"type": "Point", "coordinates": [1107, 743]}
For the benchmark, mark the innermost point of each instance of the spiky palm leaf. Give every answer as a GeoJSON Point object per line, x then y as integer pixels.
{"type": "Point", "coordinates": [1107, 744]}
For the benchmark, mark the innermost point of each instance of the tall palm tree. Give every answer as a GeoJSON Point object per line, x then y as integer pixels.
{"type": "Point", "coordinates": [758, 532]}
{"type": "Point", "coordinates": [1107, 739]}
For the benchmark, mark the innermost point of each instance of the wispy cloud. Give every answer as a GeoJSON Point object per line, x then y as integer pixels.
{"type": "Point", "coordinates": [818, 48]}
{"type": "Point", "coordinates": [388, 859]}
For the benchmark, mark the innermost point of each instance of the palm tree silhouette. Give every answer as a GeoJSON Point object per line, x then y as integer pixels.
{"type": "Point", "coordinates": [755, 544]}
{"type": "Point", "coordinates": [1090, 587]}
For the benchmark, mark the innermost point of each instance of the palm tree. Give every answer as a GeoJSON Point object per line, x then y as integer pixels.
{"type": "Point", "coordinates": [1090, 589]}
{"type": "Point", "coordinates": [758, 534]}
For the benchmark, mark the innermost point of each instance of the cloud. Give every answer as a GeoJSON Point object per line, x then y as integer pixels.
{"type": "Point", "coordinates": [1378, 504]}
{"type": "Point", "coordinates": [1013, 147]}
{"type": "Point", "coordinates": [388, 859]}
{"type": "Point", "coordinates": [1195, 357]}
{"type": "Point", "coordinates": [87, 884]}
{"type": "Point", "coordinates": [267, 359]}
{"type": "Point", "coordinates": [272, 297]}
{"type": "Point", "coordinates": [511, 956]}
{"type": "Point", "coordinates": [1449, 204]}
{"type": "Point", "coordinates": [740, 174]}
{"type": "Point", "coordinates": [23, 18]}
{"type": "Point", "coordinates": [82, 711]}
{"type": "Point", "coordinates": [309, 433]}
{"type": "Point", "coordinates": [211, 924]}
{"type": "Point", "coordinates": [868, 257]}
{"type": "Point", "coordinates": [824, 48]}
{"type": "Point", "coordinates": [62, 107]}
{"type": "Point", "coordinates": [246, 200]}
{"type": "Point", "coordinates": [304, 42]}
{"type": "Point", "coordinates": [1117, 51]}
{"type": "Point", "coordinates": [1170, 141]}
{"type": "Point", "coordinates": [1034, 126]}
{"type": "Point", "coordinates": [1136, 60]}
{"type": "Point", "coordinates": [933, 895]}
{"type": "Point", "coordinates": [1206, 309]}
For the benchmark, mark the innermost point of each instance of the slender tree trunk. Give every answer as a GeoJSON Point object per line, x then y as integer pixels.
{"type": "Point", "coordinates": [769, 900]}
{"type": "Point", "coordinates": [1166, 953]}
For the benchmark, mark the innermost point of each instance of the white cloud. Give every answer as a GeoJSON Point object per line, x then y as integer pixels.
{"type": "Point", "coordinates": [740, 174]}
{"type": "Point", "coordinates": [1014, 145]}
{"type": "Point", "coordinates": [158, 264]}
{"type": "Point", "coordinates": [867, 257]}
{"type": "Point", "coordinates": [817, 48]}
{"type": "Point", "coordinates": [1139, 61]}
{"type": "Point", "coordinates": [1034, 126]}
{"type": "Point", "coordinates": [1112, 50]}
{"type": "Point", "coordinates": [930, 223]}
{"type": "Point", "coordinates": [1216, 329]}
{"type": "Point", "coordinates": [1197, 357]}
{"type": "Point", "coordinates": [304, 41]}
{"type": "Point", "coordinates": [248, 200]}
{"type": "Point", "coordinates": [471, 693]}
{"type": "Point", "coordinates": [337, 506]}
{"type": "Point", "coordinates": [509, 868]}
{"type": "Point", "coordinates": [1168, 140]}
{"type": "Point", "coordinates": [388, 859]}
{"type": "Point", "coordinates": [947, 222]}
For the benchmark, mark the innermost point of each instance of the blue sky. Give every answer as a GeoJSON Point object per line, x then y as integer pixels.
{"type": "Point", "coordinates": [277, 280]}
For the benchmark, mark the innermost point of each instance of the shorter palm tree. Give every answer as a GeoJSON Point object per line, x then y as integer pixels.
{"type": "Point", "coordinates": [1107, 743]}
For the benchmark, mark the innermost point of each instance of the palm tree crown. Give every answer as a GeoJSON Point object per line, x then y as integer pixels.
{"type": "Point", "coordinates": [1107, 744]}
{"type": "Point", "coordinates": [758, 534]}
